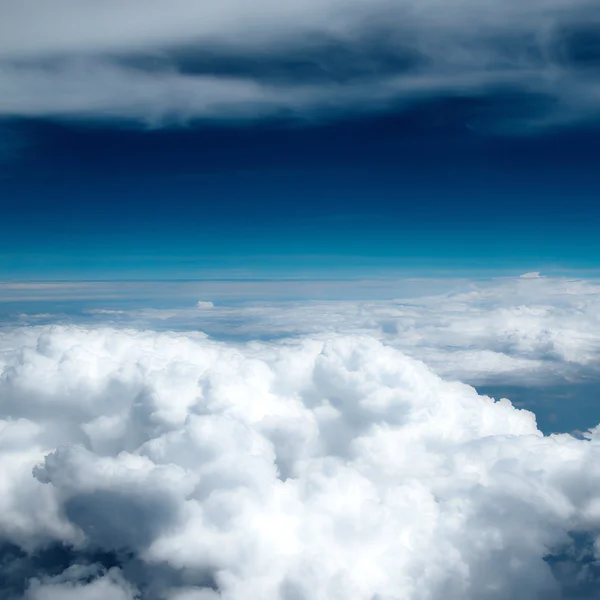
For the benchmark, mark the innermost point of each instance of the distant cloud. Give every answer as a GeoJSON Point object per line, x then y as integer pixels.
{"type": "Point", "coordinates": [516, 329]}
{"type": "Point", "coordinates": [531, 275]}
{"type": "Point", "coordinates": [165, 64]}
{"type": "Point", "coordinates": [204, 304]}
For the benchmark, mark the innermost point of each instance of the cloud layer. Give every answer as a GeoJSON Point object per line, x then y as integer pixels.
{"type": "Point", "coordinates": [137, 464]}
{"type": "Point", "coordinates": [515, 330]}
{"type": "Point", "coordinates": [159, 64]}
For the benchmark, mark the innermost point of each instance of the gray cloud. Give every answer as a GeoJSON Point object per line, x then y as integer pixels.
{"type": "Point", "coordinates": [166, 64]}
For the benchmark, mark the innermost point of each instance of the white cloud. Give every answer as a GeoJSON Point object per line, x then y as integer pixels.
{"type": "Point", "coordinates": [204, 304]}
{"type": "Point", "coordinates": [317, 467]}
{"type": "Point", "coordinates": [528, 329]}
{"type": "Point", "coordinates": [105, 60]}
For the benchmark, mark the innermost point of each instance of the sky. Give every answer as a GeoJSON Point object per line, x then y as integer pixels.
{"type": "Point", "coordinates": [299, 300]}
{"type": "Point", "coordinates": [311, 140]}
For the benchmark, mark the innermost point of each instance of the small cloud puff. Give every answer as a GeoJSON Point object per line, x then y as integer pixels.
{"type": "Point", "coordinates": [531, 275]}
{"type": "Point", "coordinates": [204, 304]}
{"type": "Point", "coordinates": [168, 466]}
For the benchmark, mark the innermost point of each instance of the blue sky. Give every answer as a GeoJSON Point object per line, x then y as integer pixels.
{"type": "Point", "coordinates": [382, 193]}
{"type": "Point", "coordinates": [492, 168]}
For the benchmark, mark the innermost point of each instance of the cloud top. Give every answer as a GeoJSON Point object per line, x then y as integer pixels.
{"type": "Point", "coordinates": [170, 466]}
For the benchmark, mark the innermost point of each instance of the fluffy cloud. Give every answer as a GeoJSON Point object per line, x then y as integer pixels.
{"type": "Point", "coordinates": [137, 464]}
{"type": "Point", "coordinates": [161, 63]}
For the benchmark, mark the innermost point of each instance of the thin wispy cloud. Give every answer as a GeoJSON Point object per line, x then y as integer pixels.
{"type": "Point", "coordinates": [161, 64]}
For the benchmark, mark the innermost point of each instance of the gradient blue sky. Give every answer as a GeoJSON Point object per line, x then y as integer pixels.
{"type": "Point", "coordinates": [497, 175]}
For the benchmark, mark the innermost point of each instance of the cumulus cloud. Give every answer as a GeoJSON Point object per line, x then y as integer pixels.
{"type": "Point", "coordinates": [138, 464]}
{"type": "Point", "coordinates": [159, 63]}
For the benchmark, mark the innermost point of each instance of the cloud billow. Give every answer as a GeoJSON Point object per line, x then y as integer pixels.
{"type": "Point", "coordinates": [170, 466]}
